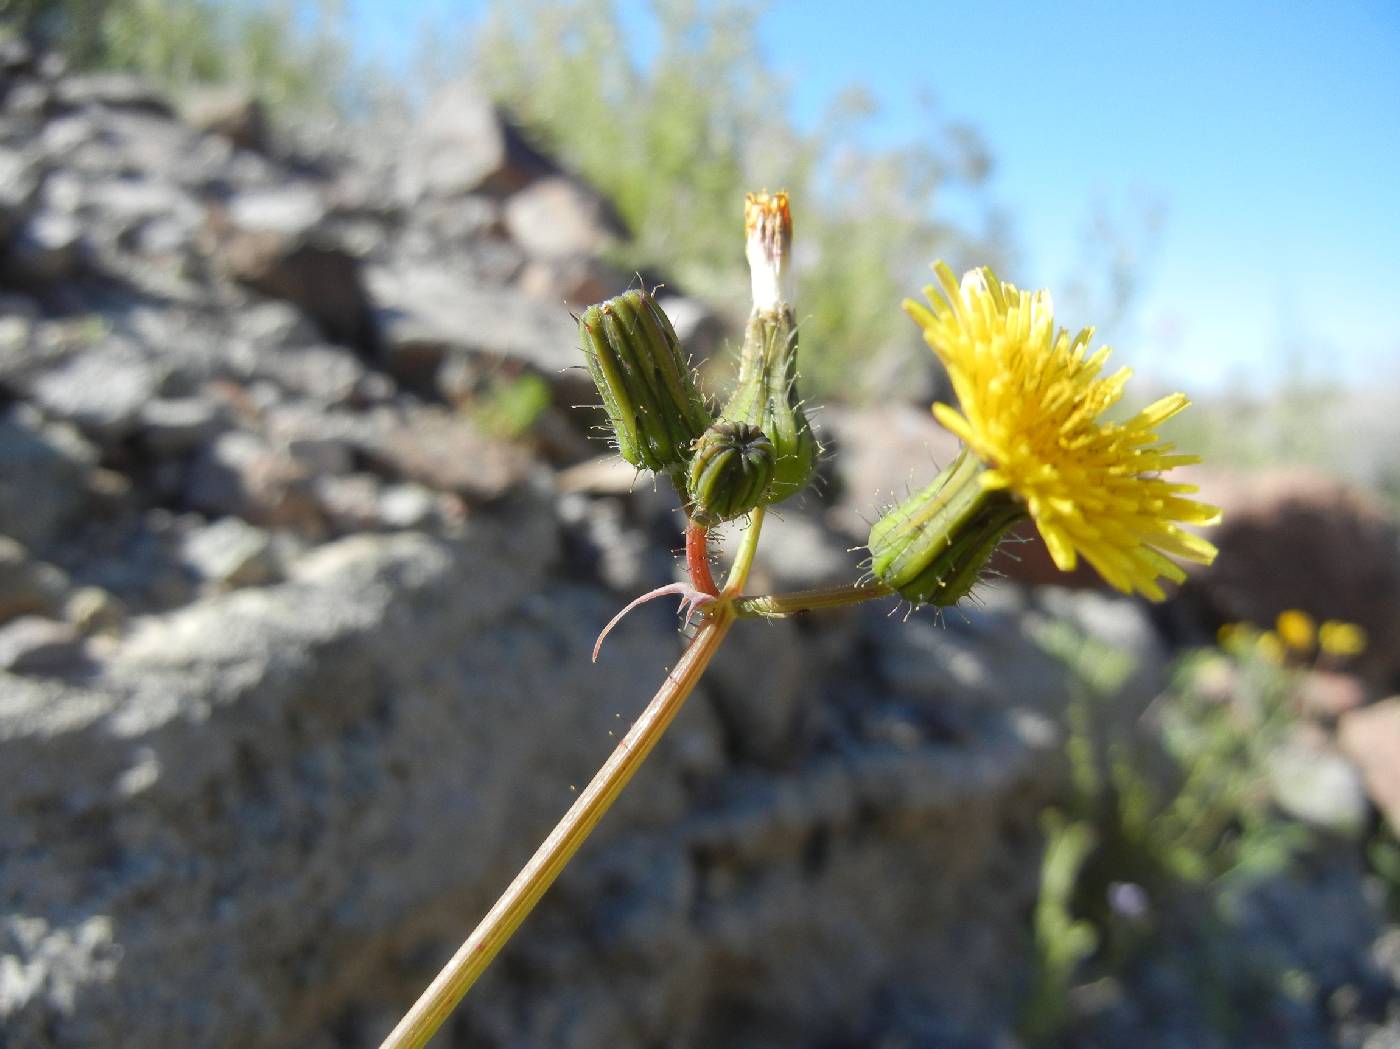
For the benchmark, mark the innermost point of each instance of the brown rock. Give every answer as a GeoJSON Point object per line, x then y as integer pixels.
{"type": "Point", "coordinates": [577, 281]}
{"type": "Point", "coordinates": [444, 451]}
{"type": "Point", "coordinates": [1024, 557]}
{"type": "Point", "coordinates": [320, 279]}
{"type": "Point", "coordinates": [1298, 539]}
{"type": "Point", "coordinates": [1331, 693]}
{"type": "Point", "coordinates": [560, 218]}
{"type": "Point", "coordinates": [229, 112]}
{"type": "Point", "coordinates": [1371, 738]}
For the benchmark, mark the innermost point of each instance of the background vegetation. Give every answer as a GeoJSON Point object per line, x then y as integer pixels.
{"type": "Point", "coordinates": [674, 133]}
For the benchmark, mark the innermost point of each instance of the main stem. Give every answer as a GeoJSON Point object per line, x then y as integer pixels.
{"type": "Point", "coordinates": [436, 1003]}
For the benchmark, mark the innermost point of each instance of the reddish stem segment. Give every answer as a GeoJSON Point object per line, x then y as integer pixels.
{"type": "Point", "coordinates": [697, 559]}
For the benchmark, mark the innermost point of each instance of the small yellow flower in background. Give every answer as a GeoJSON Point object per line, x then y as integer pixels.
{"type": "Point", "coordinates": [1231, 636]}
{"type": "Point", "coordinates": [1296, 629]}
{"type": "Point", "coordinates": [1341, 639]}
{"type": "Point", "coordinates": [1031, 398]}
{"type": "Point", "coordinates": [1270, 646]}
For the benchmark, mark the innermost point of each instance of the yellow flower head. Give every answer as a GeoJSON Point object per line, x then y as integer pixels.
{"type": "Point", "coordinates": [1296, 629]}
{"type": "Point", "coordinates": [1337, 638]}
{"type": "Point", "coordinates": [1270, 647]}
{"type": "Point", "coordinates": [1031, 399]}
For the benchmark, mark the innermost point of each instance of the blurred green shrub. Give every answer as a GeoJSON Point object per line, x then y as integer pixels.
{"type": "Point", "coordinates": [1062, 942]}
{"type": "Point", "coordinates": [1165, 824]}
{"type": "Point", "coordinates": [291, 51]}
{"type": "Point", "coordinates": [509, 407]}
{"type": "Point", "coordinates": [677, 117]}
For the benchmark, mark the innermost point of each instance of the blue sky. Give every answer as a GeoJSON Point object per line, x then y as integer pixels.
{"type": "Point", "coordinates": [1270, 133]}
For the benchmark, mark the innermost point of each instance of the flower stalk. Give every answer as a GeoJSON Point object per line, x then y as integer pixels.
{"type": "Point", "coordinates": [785, 606]}
{"type": "Point", "coordinates": [1030, 398]}
{"type": "Point", "coordinates": [471, 959]}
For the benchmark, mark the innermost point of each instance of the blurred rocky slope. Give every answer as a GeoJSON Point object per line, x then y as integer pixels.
{"type": "Point", "coordinates": [294, 653]}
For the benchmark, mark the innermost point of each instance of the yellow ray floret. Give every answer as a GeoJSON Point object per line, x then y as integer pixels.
{"type": "Point", "coordinates": [1031, 398]}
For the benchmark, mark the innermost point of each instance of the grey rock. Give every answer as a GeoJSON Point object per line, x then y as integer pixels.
{"type": "Point", "coordinates": [20, 175]}
{"type": "Point", "coordinates": [171, 426]}
{"type": "Point", "coordinates": [463, 145]}
{"type": "Point", "coordinates": [622, 553]}
{"type": "Point", "coordinates": [35, 645]}
{"type": "Point", "coordinates": [27, 586]}
{"type": "Point", "coordinates": [407, 506]}
{"type": "Point", "coordinates": [18, 312]}
{"type": "Point", "coordinates": [101, 390]}
{"type": "Point", "coordinates": [123, 204]}
{"type": "Point", "coordinates": [44, 475]}
{"type": "Point", "coordinates": [430, 311]}
{"type": "Point", "coordinates": [350, 503]}
{"type": "Point", "coordinates": [16, 56]}
{"type": "Point", "coordinates": [45, 248]}
{"type": "Point", "coordinates": [323, 455]}
{"type": "Point", "coordinates": [460, 220]}
{"type": "Point", "coordinates": [114, 90]}
{"type": "Point", "coordinates": [699, 327]}
{"type": "Point", "coordinates": [241, 475]}
{"type": "Point", "coordinates": [881, 456]}
{"type": "Point", "coordinates": [800, 552]}
{"type": "Point", "coordinates": [756, 685]}
{"type": "Point", "coordinates": [28, 98]}
{"type": "Point", "coordinates": [320, 374]}
{"type": "Point", "coordinates": [291, 210]}
{"type": "Point", "coordinates": [964, 657]}
{"type": "Point", "coordinates": [1318, 785]}
{"type": "Point", "coordinates": [232, 553]}
{"type": "Point", "coordinates": [16, 337]}
{"type": "Point", "coordinates": [276, 325]}
{"type": "Point", "coordinates": [1115, 637]}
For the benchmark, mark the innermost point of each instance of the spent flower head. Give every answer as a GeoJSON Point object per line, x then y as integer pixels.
{"type": "Point", "coordinates": [768, 248]}
{"type": "Point", "coordinates": [1031, 400]}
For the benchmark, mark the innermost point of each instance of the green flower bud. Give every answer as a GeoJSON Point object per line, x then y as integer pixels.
{"type": "Point", "coordinates": [766, 397]}
{"type": "Point", "coordinates": [730, 472]}
{"type": "Point", "coordinates": [766, 394]}
{"type": "Point", "coordinates": [931, 547]}
{"type": "Point", "coordinates": [648, 391]}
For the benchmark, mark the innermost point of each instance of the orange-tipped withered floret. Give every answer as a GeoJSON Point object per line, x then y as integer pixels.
{"type": "Point", "coordinates": [766, 395]}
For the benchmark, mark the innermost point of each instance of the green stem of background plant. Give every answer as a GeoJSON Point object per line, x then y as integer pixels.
{"type": "Point", "coordinates": [463, 969]}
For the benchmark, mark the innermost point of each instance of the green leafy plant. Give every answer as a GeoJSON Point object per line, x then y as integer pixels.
{"type": "Point", "coordinates": [1062, 941]}
{"type": "Point", "coordinates": [289, 51]}
{"type": "Point", "coordinates": [1175, 814]}
{"type": "Point", "coordinates": [509, 408]}
{"type": "Point", "coordinates": [674, 131]}
{"type": "Point", "coordinates": [1093, 487]}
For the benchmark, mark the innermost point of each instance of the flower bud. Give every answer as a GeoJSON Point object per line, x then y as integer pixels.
{"type": "Point", "coordinates": [931, 547]}
{"type": "Point", "coordinates": [729, 473]}
{"type": "Point", "coordinates": [766, 395]}
{"type": "Point", "coordinates": [648, 391]}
